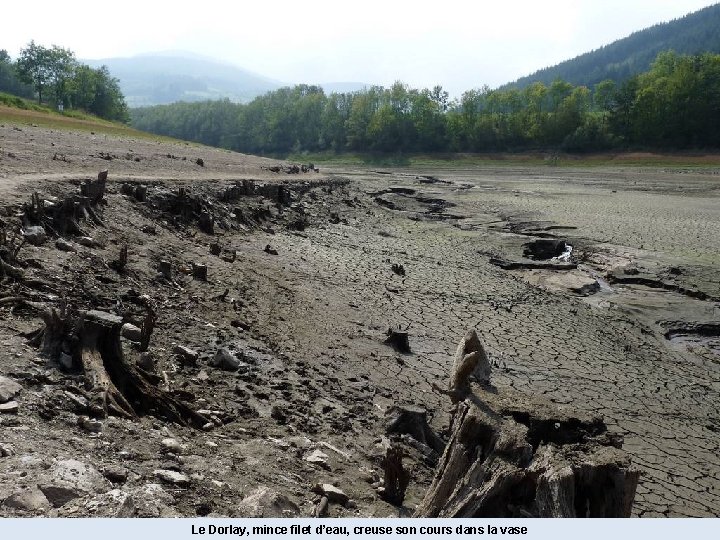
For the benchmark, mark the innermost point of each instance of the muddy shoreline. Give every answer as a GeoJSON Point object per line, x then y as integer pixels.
{"type": "Point", "coordinates": [303, 291]}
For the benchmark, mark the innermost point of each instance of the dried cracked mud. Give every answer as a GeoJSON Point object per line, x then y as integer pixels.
{"type": "Point", "coordinates": [301, 291]}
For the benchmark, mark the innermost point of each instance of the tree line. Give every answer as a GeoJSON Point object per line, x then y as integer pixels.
{"type": "Point", "coordinates": [53, 75]}
{"type": "Point", "coordinates": [674, 105]}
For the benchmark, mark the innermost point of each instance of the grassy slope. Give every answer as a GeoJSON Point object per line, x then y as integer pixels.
{"type": "Point", "coordinates": [15, 110]}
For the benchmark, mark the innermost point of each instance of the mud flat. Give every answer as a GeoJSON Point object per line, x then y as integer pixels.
{"type": "Point", "coordinates": [284, 349]}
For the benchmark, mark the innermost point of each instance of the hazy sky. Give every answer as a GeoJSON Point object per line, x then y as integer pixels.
{"type": "Point", "coordinates": [459, 44]}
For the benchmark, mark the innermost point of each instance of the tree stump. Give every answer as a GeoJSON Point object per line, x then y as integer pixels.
{"type": "Point", "coordinates": [115, 385]}
{"type": "Point", "coordinates": [509, 456]}
{"type": "Point", "coordinates": [397, 477]}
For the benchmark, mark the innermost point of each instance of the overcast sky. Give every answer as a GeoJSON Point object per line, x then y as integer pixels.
{"type": "Point", "coordinates": [458, 44]}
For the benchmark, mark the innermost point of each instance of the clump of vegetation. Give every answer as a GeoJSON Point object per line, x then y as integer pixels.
{"type": "Point", "coordinates": [54, 76]}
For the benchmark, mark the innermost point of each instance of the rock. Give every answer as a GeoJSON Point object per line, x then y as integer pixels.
{"type": "Point", "coordinates": [6, 450]}
{"type": "Point", "coordinates": [115, 474]}
{"type": "Point", "coordinates": [127, 509]}
{"type": "Point", "coordinates": [29, 500]}
{"type": "Point", "coordinates": [172, 445]}
{"type": "Point", "coordinates": [64, 245]}
{"type": "Point", "coordinates": [71, 479]}
{"type": "Point", "coordinates": [187, 355]}
{"type": "Point", "coordinates": [334, 494]}
{"type": "Point", "coordinates": [35, 235]}
{"type": "Point", "coordinates": [200, 161]}
{"type": "Point", "coordinates": [90, 424]}
{"type": "Point", "coordinates": [131, 332]}
{"type": "Point", "coordinates": [8, 389]}
{"type": "Point", "coordinates": [264, 502]}
{"type": "Point", "coordinates": [226, 360]}
{"type": "Point", "coordinates": [172, 477]}
{"type": "Point", "coordinates": [165, 269]}
{"type": "Point", "coordinates": [146, 361]}
{"type": "Point", "coordinates": [86, 241]}
{"type": "Point", "coordinates": [11, 407]}
{"type": "Point", "coordinates": [318, 457]}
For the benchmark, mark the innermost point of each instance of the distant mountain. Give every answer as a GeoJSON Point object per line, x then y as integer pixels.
{"type": "Point", "coordinates": [156, 79]}
{"type": "Point", "coordinates": [692, 34]}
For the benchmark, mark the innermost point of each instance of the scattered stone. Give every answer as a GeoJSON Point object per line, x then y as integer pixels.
{"type": "Point", "coordinates": [172, 445]}
{"type": "Point", "coordinates": [321, 509]}
{"type": "Point", "coordinates": [71, 479]}
{"type": "Point", "coordinates": [398, 269]}
{"type": "Point", "coordinates": [11, 407]}
{"type": "Point", "coordinates": [264, 502]}
{"type": "Point", "coordinates": [318, 457]}
{"type": "Point", "coordinates": [6, 450]}
{"type": "Point", "coordinates": [30, 499]}
{"type": "Point", "coordinates": [90, 424]}
{"type": "Point", "coordinates": [116, 474]}
{"type": "Point", "coordinates": [269, 250]}
{"type": "Point", "coordinates": [215, 249]}
{"type": "Point", "coordinates": [8, 389]}
{"type": "Point", "coordinates": [200, 161]}
{"type": "Point", "coordinates": [226, 360]}
{"type": "Point", "coordinates": [186, 355]}
{"type": "Point", "coordinates": [131, 332]}
{"type": "Point", "coordinates": [35, 235]}
{"type": "Point", "coordinates": [64, 245]}
{"type": "Point", "coordinates": [172, 477]}
{"type": "Point", "coordinates": [334, 494]}
{"type": "Point", "coordinates": [86, 241]}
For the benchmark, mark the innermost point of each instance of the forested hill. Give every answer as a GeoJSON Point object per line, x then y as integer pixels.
{"type": "Point", "coordinates": [693, 34]}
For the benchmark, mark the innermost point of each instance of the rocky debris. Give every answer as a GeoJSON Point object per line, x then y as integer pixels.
{"type": "Point", "coordinates": [172, 477]}
{"type": "Point", "coordinates": [87, 241]}
{"type": "Point", "coordinates": [186, 355]}
{"type": "Point", "coordinates": [30, 499]}
{"type": "Point", "coordinates": [146, 361]}
{"type": "Point", "coordinates": [6, 450]}
{"type": "Point", "coordinates": [269, 250]}
{"type": "Point", "coordinates": [264, 502]}
{"type": "Point", "coordinates": [412, 421]}
{"type": "Point", "coordinates": [334, 494]}
{"type": "Point", "coordinates": [89, 424]}
{"type": "Point", "coordinates": [64, 245]}
{"type": "Point", "coordinates": [165, 269]}
{"type": "Point", "coordinates": [35, 235]}
{"type": "Point", "coordinates": [317, 457]}
{"type": "Point", "coordinates": [200, 161]}
{"type": "Point", "coordinates": [8, 389]}
{"type": "Point", "coordinates": [226, 360]}
{"type": "Point", "coordinates": [70, 479]}
{"type": "Point", "coordinates": [11, 407]}
{"type": "Point", "coordinates": [172, 445]}
{"type": "Point", "coordinates": [116, 474]}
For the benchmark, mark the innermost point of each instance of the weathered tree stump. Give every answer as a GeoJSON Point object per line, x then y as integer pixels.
{"type": "Point", "coordinates": [514, 456]}
{"type": "Point", "coordinates": [413, 421]}
{"type": "Point", "coordinates": [397, 477]}
{"type": "Point", "coordinates": [115, 385]}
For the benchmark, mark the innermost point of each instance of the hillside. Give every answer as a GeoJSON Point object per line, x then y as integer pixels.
{"type": "Point", "coordinates": [695, 33]}
{"type": "Point", "coordinates": [157, 79]}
